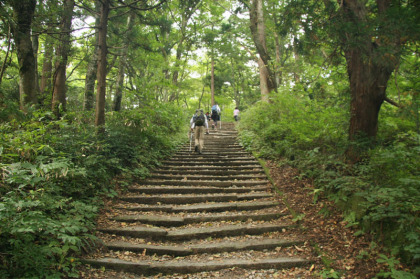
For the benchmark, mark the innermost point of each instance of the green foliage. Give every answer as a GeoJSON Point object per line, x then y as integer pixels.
{"type": "Point", "coordinates": [55, 172]}
{"type": "Point", "coordinates": [379, 195]}
{"type": "Point", "coordinates": [39, 225]}
{"type": "Point", "coordinates": [394, 271]}
{"type": "Point", "coordinates": [291, 127]}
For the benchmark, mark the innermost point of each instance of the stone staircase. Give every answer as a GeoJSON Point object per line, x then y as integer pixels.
{"type": "Point", "coordinates": [199, 213]}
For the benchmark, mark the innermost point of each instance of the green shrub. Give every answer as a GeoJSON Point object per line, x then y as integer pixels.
{"type": "Point", "coordinates": [54, 171]}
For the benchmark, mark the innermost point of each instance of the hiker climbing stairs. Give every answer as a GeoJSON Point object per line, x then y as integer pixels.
{"type": "Point", "coordinates": [199, 213]}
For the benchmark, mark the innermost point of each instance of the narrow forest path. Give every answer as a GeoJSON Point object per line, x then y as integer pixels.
{"type": "Point", "coordinates": [210, 215]}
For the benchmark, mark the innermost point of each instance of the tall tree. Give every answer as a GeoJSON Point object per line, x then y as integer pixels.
{"type": "Point", "coordinates": [59, 91]}
{"type": "Point", "coordinates": [23, 12]}
{"type": "Point", "coordinates": [267, 78]}
{"type": "Point", "coordinates": [122, 63]}
{"type": "Point", "coordinates": [187, 10]}
{"type": "Point", "coordinates": [102, 63]}
{"type": "Point", "coordinates": [92, 68]}
{"type": "Point", "coordinates": [372, 40]}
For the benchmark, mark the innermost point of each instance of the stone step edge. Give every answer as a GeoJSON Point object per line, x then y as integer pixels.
{"type": "Point", "coordinates": [193, 233]}
{"type": "Point", "coordinates": [213, 248]}
{"type": "Point", "coordinates": [171, 221]}
{"type": "Point", "coordinates": [184, 267]}
{"type": "Point", "coordinates": [188, 199]}
{"type": "Point", "coordinates": [214, 183]}
{"type": "Point", "coordinates": [195, 190]}
{"type": "Point", "coordinates": [206, 207]}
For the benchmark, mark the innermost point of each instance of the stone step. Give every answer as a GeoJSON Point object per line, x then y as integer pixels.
{"type": "Point", "coordinates": [194, 206]}
{"type": "Point", "coordinates": [209, 172]}
{"type": "Point", "coordinates": [188, 199]}
{"type": "Point", "coordinates": [205, 248]}
{"type": "Point", "coordinates": [193, 233]}
{"type": "Point", "coordinates": [194, 157]}
{"type": "Point", "coordinates": [170, 221]}
{"type": "Point", "coordinates": [195, 190]}
{"type": "Point", "coordinates": [210, 164]}
{"type": "Point", "coordinates": [208, 177]}
{"type": "Point", "coordinates": [210, 153]}
{"type": "Point", "coordinates": [205, 207]}
{"type": "Point", "coordinates": [211, 183]}
{"type": "Point", "coordinates": [212, 168]}
{"type": "Point", "coordinates": [184, 267]}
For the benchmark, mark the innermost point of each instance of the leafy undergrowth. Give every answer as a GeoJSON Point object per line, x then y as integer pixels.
{"type": "Point", "coordinates": [54, 174]}
{"type": "Point", "coordinates": [341, 252]}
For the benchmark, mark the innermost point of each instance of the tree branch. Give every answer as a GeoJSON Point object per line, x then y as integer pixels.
{"type": "Point", "coordinates": [388, 100]}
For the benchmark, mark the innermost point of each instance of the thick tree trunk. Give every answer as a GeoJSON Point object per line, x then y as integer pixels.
{"type": "Point", "coordinates": [23, 11]}
{"type": "Point", "coordinates": [92, 67]}
{"type": "Point", "coordinates": [121, 67]}
{"type": "Point", "coordinates": [101, 74]}
{"type": "Point", "coordinates": [59, 91]}
{"type": "Point", "coordinates": [258, 35]}
{"type": "Point", "coordinates": [369, 67]}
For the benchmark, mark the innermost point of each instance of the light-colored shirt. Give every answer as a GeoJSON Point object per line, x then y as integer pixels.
{"type": "Point", "coordinates": [216, 107]}
{"type": "Point", "coordinates": [236, 112]}
{"type": "Point", "coordinates": [192, 124]}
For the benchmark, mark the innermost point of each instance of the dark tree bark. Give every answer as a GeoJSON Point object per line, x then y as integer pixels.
{"type": "Point", "coordinates": [59, 91]}
{"type": "Point", "coordinates": [369, 66]}
{"type": "Point", "coordinates": [102, 63]}
{"type": "Point", "coordinates": [92, 67]}
{"type": "Point", "coordinates": [23, 12]}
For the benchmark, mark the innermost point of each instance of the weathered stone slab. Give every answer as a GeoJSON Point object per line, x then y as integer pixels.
{"type": "Point", "coordinates": [168, 221]}
{"type": "Point", "coordinates": [195, 190]}
{"type": "Point", "coordinates": [230, 230]}
{"type": "Point", "coordinates": [169, 267]}
{"type": "Point", "coordinates": [185, 250]}
{"type": "Point", "coordinates": [136, 231]}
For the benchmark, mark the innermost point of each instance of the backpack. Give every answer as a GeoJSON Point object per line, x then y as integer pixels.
{"type": "Point", "coordinates": [199, 119]}
{"type": "Point", "coordinates": [214, 110]}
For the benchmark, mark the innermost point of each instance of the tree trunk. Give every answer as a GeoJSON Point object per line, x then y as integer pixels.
{"type": "Point", "coordinates": [59, 91]}
{"type": "Point", "coordinates": [188, 9]}
{"type": "Point", "coordinates": [46, 76]}
{"type": "Point", "coordinates": [23, 11]}
{"type": "Point", "coordinates": [369, 68]}
{"type": "Point", "coordinates": [3, 68]}
{"type": "Point", "coordinates": [258, 36]}
{"type": "Point", "coordinates": [278, 71]}
{"type": "Point", "coordinates": [35, 47]}
{"type": "Point", "coordinates": [121, 67]}
{"type": "Point", "coordinates": [92, 67]}
{"type": "Point", "coordinates": [212, 81]}
{"type": "Point", "coordinates": [101, 74]}
{"type": "Point", "coordinates": [264, 87]}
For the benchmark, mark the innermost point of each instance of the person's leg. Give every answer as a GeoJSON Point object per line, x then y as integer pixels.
{"type": "Point", "coordinates": [196, 138]}
{"type": "Point", "coordinates": [201, 139]}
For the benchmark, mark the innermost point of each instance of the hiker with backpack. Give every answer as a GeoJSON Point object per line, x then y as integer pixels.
{"type": "Point", "coordinates": [198, 123]}
{"type": "Point", "coordinates": [215, 115]}
{"type": "Point", "coordinates": [236, 114]}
